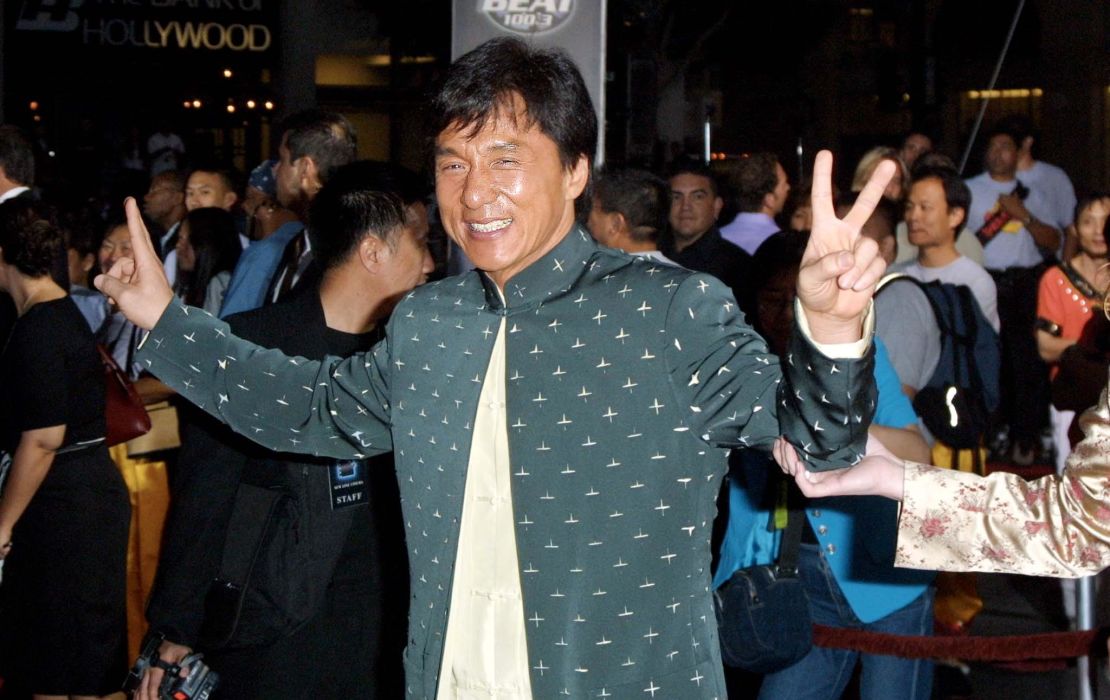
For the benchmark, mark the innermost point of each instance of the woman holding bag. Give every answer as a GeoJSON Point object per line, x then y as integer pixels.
{"type": "Point", "coordinates": [63, 510]}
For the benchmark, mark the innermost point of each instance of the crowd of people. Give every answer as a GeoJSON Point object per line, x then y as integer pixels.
{"type": "Point", "coordinates": [469, 494]}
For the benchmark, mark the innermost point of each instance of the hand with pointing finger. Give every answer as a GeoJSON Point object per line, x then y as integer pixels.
{"type": "Point", "coordinates": [840, 268]}
{"type": "Point", "coordinates": [137, 286]}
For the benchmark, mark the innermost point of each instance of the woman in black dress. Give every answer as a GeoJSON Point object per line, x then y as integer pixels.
{"type": "Point", "coordinates": [63, 509]}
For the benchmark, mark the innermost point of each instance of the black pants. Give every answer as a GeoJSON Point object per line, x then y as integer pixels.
{"type": "Point", "coordinates": [348, 651]}
{"type": "Point", "coordinates": [1024, 377]}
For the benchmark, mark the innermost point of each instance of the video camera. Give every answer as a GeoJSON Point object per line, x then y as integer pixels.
{"type": "Point", "coordinates": [197, 684]}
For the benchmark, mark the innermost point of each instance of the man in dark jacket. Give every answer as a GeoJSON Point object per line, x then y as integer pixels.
{"type": "Point", "coordinates": [287, 571]}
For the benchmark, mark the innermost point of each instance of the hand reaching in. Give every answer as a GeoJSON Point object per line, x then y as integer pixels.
{"type": "Point", "coordinates": [880, 473]}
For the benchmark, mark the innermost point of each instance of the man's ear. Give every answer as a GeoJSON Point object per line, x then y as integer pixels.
{"type": "Point", "coordinates": [229, 200]}
{"type": "Point", "coordinates": [575, 178]}
{"type": "Point", "coordinates": [371, 253]}
{"type": "Point", "coordinates": [309, 174]}
{"type": "Point", "coordinates": [88, 261]}
{"type": "Point", "coordinates": [1027, 144]}
{"type": "Point", "coordinates": [618, 224]}
{"type": "Point", "coordinates": [957, 218]}
{"type": "Point", "coordinates": [718, 205]}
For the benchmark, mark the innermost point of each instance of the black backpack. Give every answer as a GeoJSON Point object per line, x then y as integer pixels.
{"type": "Point", "coordinates": [957, 402]}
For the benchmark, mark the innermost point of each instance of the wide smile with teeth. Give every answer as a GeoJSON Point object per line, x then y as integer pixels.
{"type": "Point", "coordinates": [491, 226]}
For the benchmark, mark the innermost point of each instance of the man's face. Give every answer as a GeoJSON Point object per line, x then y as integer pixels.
{"type": "Point", "coordinates": [931, 222]}
{"type": "Point", "coordinates": [287, 176]}
{"type": "Point", "coordinates": [782, 190]}
{"type": "Point", "coordinates": [116, 245]}
{"type": "Point", "coordinates": [914, 147]}
{"type": "Point", "coordinates": [254, 198]}
{"type": "Point", "coordinates": [504, 197]}
{"type": "Point", "coordinates": [206, 189]}
{"type": "Point", "coordinates": [161, 199]}
{"type": "Point", "coordinates": [694, 207]}
{"type": "Point", "coordinates": [409, 261]}
{"type": "Point", "coordinates": [1002, 155]}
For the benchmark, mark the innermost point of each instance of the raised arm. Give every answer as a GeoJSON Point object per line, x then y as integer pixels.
{"type": "Point", "coordinates": [334, 408]}
{"type": "Point", "coordinates": [741, 395]}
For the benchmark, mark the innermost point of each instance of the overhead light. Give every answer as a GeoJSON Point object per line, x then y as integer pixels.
{"type": "Point", "coordinates": [227, 72]}
{"type": "Point", "coordinates": [231, 109]}
{"type": "Point", "coordinates": [34, 105]}
{"type": "Point", "coordinates": [196, 104]}
{"type": "Point", "coordinates": [188, 104]}
{"type": "Point", "coordinates": [251, 104]}
{"type": "Point", "coordinates": [268, 104]}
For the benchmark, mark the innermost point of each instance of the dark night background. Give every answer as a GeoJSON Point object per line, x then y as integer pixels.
{"type": "Point", "coordinates": [841, 74]}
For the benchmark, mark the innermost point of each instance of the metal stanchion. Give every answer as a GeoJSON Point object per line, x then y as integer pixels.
{"type": "Point", "coordinates": [1085, 620]}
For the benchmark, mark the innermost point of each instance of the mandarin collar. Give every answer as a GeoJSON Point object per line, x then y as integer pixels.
{"type": "Point", "coordinates": [553, 274]}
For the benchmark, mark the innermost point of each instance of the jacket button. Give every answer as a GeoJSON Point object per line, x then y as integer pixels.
{"type": "Point", "coordinates": [822, 530]}
{"type": "Point", "coordinates": [831, 549]}
{"type": "Point", "coordinates": [817, 514]}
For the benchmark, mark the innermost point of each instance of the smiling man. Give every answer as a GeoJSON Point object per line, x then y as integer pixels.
{"type": "Point", "coordinates": [561, 416]}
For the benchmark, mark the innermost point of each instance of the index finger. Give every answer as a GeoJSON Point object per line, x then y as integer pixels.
{"type": "Point", "coordinates": [820, 198]}
{"type": "Point", "coordinates": [871, 195]}
{"type": "Point", "coordinates": [142, 245]}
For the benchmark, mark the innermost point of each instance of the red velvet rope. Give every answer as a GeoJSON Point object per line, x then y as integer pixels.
{"type": "Point", "coordinates": [1050, 646]}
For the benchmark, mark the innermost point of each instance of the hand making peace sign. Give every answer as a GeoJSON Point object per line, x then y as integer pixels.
{"type": "Point", "coordinates": [840, 268]}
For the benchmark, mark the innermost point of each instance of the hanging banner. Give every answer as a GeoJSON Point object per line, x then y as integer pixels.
{"type": "Point", "coordinates": [576, 26]}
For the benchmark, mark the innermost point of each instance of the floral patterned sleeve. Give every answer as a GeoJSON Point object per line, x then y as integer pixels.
{"type": "Point", "coordinates": [1054, 526]}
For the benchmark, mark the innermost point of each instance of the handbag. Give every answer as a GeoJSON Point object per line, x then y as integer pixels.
{"type": "Point", "coordinates": [763, 617]}
{"type": "Point", "coordinates": [124, 414]}
{"type": "Point", "coordinates": [164, 433]}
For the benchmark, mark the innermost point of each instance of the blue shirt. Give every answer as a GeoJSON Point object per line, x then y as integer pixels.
{"type": "Point", "coordinates": [861, 530]}
{"type": "Point", "coordinates": [749, 229]}
{"type": "Point", "coordinates": [255, 270]}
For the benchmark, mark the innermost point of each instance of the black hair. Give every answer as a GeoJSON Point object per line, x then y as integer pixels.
{"type": "Point", "coordinates": [362, 199]}
{"type": "Point", "coordinates": [175, 178]}
{"type": "Point", "coordinates": [931, 160]}
{"type": "Point", "coordinates": [215, 243]}
{"type": "Point", "coordinates": [483, 83]}
{"type": "Point", "coordinates": [326, 137]}
{"type": "Point", "coordinates": [956, 193]}
{"type": "Point", "coordinates": [230, 180]}
{"type": "Point", "coordinates": [688, 166]}
{"type": "Point", "coordinates": [753, 178]}
{"type": "Point", "coordinates": [16, 157]}
{"type": "Point", "coordinates": [641, 197]}
{"type": "Point", "coordinates": [30, 239]}
{"type": "Point", "coordinates": [1018, 126]}
{"type": "Point", "coordinates": [1006, 128]}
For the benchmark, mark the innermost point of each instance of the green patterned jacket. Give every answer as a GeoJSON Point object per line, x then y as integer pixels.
{"type": "Point", "coordinates": [627, 382]}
